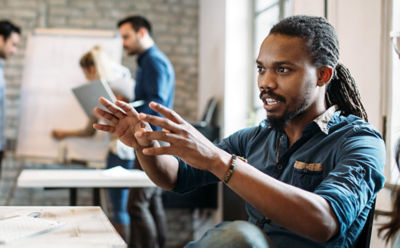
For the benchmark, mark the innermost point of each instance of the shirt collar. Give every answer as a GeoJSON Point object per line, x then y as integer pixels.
{"type": "Point", "coordinates": [323, 120]}
{"type": "Point", "coordinates": [142, 55]}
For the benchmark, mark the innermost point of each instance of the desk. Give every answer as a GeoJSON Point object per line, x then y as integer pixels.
{"type": "Point", "coordinates": [84, 227]}
{"type": "Point", "coordinates": [82, 178]}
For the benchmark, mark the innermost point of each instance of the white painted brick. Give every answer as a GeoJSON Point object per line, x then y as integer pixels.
{"type": "Point", "coordinates": [86, 4]}
{"type": "Point", "coordinates": [24, 13]}
{"type": "Point", "coordinates": [63, 11]}
{"type": "Point", "coordinates": [26, 4]}
{"type": "Point", "coordinates": [80, 22]}
{"type": "Point", "coordinates": [175, 25]}
{"type": "Point", "coordinates": [57, 2]}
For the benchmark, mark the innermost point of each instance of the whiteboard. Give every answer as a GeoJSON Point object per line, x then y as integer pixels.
{"type": "Point", "coordinates": [51, 70]}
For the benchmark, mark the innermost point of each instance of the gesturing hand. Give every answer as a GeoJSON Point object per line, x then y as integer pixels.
{"type": "Point", "coordinates": [184, 140]}
{"type": "Point", "coordinates": [125, 122]}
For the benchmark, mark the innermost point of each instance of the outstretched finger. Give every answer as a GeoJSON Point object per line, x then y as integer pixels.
{"type": "Point", "coordinates": [162, 150]}
{"type": "Point", "coordinates": [161, 136]}
{"type": "Point", "coordinates": [106, 115]}
{"type": "Point", "coordinates": [160, 122]}
{"type": "Point", "coordinates": [129, 110]}
{"type": "Point", "coordinates": [103, 127]}
{"type": "Point", "coordinates": [168, 113]}
{"type": "Point", "coordinates": [114, 109]}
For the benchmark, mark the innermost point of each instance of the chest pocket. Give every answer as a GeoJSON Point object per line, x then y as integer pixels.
{"type": "Point", "coordinates": [307, 176]}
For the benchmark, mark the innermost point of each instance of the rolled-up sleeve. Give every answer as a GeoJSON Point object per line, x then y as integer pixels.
{"type": "Point", "coordinates": [190, 178]}
{"type": "Point", "coordinates": [357, 176]}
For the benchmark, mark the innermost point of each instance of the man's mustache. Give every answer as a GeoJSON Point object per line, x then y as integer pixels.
{"type": "Point", "coordinates": [270, 94]}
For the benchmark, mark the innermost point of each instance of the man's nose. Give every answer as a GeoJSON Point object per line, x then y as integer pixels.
{"type": "Point", "coordinates": [267, 80]}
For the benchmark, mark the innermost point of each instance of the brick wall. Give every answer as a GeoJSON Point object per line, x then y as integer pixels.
{"type": "Point", "coordinates": [175, 24]}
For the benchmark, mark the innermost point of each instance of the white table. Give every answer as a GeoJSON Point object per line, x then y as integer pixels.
{"type": "Point", "coordinates": [83, 178]}
{"type": "Point", "coordinates": [84, 227]}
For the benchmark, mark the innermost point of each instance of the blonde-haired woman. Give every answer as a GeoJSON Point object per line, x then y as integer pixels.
{"type": "Point", "coordinates": [96, 65]}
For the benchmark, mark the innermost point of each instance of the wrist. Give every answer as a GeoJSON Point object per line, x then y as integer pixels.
{"type": "Point", "coordinates": [220, 165]}
{"type": "Point", "coordinates": [227, 168]}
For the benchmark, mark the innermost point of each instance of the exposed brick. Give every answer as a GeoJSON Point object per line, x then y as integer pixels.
{"type": "Point", "coordinates": [60, 21]}
{"type": "Point", "coordinates": [175, 25]}
{"type": "Point", "coordinates": [24, 13]}
{"type": "Point", "coordinates": [57, 2]}
{"type": "Point", "coordinates": [64, 11]}
{"type": "Point", "coordinates": [26, 4]}
{"type": "Point", "coordinates": [81, 22]}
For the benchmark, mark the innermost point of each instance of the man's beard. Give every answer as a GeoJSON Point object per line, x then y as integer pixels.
{"type": "Point", "coordinates": [279, 123]}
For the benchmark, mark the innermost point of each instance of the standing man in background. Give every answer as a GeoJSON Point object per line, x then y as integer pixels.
{"type": "Point", "coordinates": [155, 81]}
{"type": "Point", "coordinates": [9, 40]}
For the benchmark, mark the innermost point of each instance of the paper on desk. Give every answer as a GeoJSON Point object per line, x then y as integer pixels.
{"type": "Point", "coordinates": [24, 226]}
{"type": "Point", "coordinates": [118, 171]}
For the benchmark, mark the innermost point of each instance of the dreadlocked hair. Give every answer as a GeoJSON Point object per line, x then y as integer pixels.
{"type": "Point", "coordinates": [393, 226]}
{"type": "Point", "coordinates": [343, 92]}
{"type": "Point", "coordinates": [321, 41]}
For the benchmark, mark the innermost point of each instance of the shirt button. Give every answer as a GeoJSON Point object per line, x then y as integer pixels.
{"type": "Point", "coordinates": [279, 167]}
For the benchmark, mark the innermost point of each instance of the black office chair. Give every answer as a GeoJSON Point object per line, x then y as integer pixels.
{"type": "Point", "coordinates": [207, 124]}
{"type": "Point", "coordinates": [364, 239]}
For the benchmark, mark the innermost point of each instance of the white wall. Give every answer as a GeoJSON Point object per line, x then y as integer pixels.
{"type": "Point", "coordinates": [360, 41]}
{"type": "Point", "coordinates": [238, 65]}
{"type": "Point", "coordinates": [211, 54]}
{"type": "Point", "coordinates": [358, 26]}
{"type": "Point", "coordinates": [225, 60]}
{"type": "Point", "coordinates": [308, 7]}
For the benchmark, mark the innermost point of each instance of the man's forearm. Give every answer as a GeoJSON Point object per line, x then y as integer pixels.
{"type": "Point", "coordinates": [306, 214]}
{"type": "Point", "coordinates": [162, 169]}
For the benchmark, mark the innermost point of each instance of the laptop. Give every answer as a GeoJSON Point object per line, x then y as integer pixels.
{"type": "Point", "coordinates": [89, 93]}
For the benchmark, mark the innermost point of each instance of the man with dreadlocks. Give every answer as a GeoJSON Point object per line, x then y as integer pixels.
{"type": "Point", "coordinates": [313, 167]}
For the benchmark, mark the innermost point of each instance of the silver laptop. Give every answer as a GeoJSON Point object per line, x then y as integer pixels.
{"type": "Point", "coordinates": [89, 93]}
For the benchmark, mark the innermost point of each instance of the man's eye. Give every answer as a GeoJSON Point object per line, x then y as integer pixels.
{"type": "Point", "coordinates": [282, 69]}
{"type": "Point", "coordinates": [260, 69]}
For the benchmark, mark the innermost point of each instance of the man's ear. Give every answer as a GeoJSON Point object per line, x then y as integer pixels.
{"type": "Point", "coordinates": [142, 32]}
{"type": "Point", "coordinates": [324, 75]}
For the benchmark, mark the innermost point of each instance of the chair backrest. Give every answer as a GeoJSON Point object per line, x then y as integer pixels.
{"type": "Point", "coordinates": [364, 239]}
{"type": "Point", "coordinates": [209, 111]}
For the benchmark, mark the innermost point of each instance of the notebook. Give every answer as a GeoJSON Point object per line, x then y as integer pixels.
{"type": "Point", "coordinates": [24, 226]}
{"type": "Point", "coordinates": [89, 93]}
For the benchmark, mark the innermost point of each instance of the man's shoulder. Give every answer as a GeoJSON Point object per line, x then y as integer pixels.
{"type": "Point", "coordinates": [353, 125]}
{"type": "Point", "coordinates": [156, 56]}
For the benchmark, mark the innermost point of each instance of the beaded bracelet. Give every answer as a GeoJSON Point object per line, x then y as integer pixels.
{"type": "Point", "coordinates": [229, 172]}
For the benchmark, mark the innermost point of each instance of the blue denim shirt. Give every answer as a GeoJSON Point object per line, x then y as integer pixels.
{"type": "Point", "coordinates": [155, 80]}
{"type": "Point", "coordinates": [339, 158]}
{"type": "Point", "coordinates": [2, 107]}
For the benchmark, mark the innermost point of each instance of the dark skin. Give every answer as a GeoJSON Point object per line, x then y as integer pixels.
{"type": "Point", "coordinates": [290, 85]}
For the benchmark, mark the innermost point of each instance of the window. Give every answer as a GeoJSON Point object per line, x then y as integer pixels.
{"type": "Point", "coordinates": [266, 14]}
{"type": "Point", "coordinates": [395, 79]}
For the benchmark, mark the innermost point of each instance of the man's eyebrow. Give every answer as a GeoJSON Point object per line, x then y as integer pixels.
{"type": "Point", "coordinates": [277, 63]}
